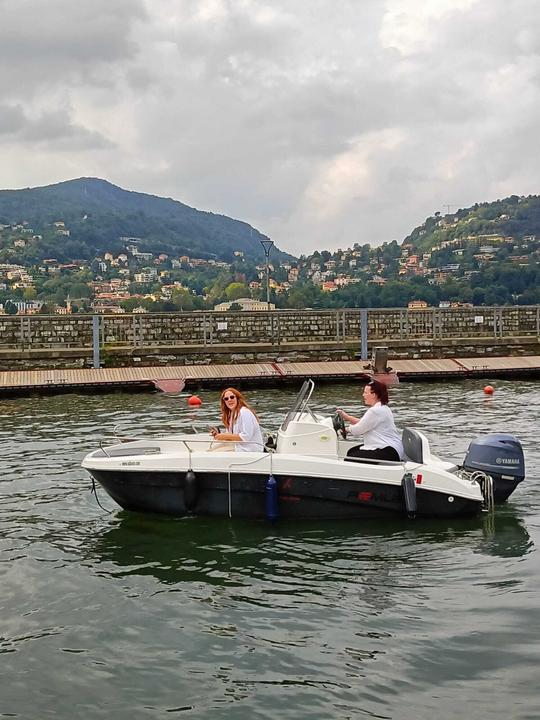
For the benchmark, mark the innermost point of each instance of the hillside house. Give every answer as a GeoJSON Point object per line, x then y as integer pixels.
{"type": "Point", "coordinates": [293, 275]}
{"type": "Point", "coordinates": [245, 304]}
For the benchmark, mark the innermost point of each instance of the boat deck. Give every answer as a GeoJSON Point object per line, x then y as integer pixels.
{"type": "Point", "coordinates": [24, 381]}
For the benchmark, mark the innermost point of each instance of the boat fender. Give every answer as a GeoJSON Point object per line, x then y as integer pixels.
{"type": "Point", "coordinates": [271, 493]}
{"type": "Point", "coordinates": [190, 490]}
{"type": "Point", "coordinates": [409, 494]}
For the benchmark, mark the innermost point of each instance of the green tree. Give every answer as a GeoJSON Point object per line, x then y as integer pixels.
{"type": "Point", "coordinates": [130, 304]}
{"type": "Point", "coordinates": [395, 294]}
{"type": "Point", "coordinates": [182, 299]}
{"type": "Point", "coordinates": [60, 296]}
{"type": "Point", "coordinates": [79, 290]}
{"type": "Point", "coordinates": [29, 293]}
{"type": "Point", "coordinates": [236, 290]}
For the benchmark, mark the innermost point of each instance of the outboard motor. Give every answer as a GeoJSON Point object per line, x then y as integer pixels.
{"type": "Point", "coordinates": [500, 456]}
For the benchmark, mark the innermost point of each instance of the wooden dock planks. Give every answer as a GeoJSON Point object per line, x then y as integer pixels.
{"type": "Point", "coordinates": [54, 380]}
{"type": "Point", "coordinates": [501, 363]}
{"type": "Point", "coordinates": [333, 368]}
{"type": "Point", "coordinates": [446, 367]}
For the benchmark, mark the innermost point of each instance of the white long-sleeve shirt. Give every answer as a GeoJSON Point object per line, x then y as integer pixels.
{"type": "Point", "coordinates": [378, 428]}
{"type": "Point", "coordinates": [247, 427]}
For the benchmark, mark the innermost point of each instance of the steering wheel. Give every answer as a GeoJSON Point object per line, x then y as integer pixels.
{"type": "Point", "coordinates": [339, 425]}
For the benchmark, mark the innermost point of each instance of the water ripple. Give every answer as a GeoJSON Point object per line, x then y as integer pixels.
{"type": "Point", "coordinates": [140, 616]}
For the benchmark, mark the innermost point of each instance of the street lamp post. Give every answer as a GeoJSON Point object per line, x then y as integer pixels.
{"type": "Point", "coordinates": [267, 246]}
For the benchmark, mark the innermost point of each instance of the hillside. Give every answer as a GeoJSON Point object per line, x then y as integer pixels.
{"type": "Point", "coordinates": [98, 214]}
{"type": "Point", "coordinates": [110, 250]}
{"type": "Point", "coordinates": [515, 217]}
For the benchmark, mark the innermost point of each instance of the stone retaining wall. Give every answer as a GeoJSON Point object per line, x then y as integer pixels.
{"type": "Point", "coordinates": [33, 341]}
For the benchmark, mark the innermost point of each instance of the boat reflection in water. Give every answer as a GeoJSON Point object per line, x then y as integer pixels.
{"type": "Point", "coordinates": [224, 552]}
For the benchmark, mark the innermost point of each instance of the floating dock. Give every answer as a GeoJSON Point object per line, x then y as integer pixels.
{"type": "Point", "coordinates": [174, 378]}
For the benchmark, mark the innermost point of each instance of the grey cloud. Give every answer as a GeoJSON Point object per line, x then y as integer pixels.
{"type": "Point", "coordinates": [65, 28]}
{"type": "Point", "coordinates": [58, 131]}
{"type": "Point", "coordinates": [54, 129]}
{"type": "Point", "coordinates": [64, 41]}
{"type": "Point", "coordinates": [11, 119]}
{"type": "Point", "coordinates": [296, 117]}
{"type": "Point", "coordinates": [234, 46]}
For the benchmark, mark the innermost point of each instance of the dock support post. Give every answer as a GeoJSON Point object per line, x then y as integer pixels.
{"type": "Point", "coordinates": [363, 334]}
{"type": "Point", "coordinates": [95, 340]}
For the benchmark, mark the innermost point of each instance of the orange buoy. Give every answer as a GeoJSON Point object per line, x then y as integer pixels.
{"type": "Point", "coordinates": [488, 390]}
{"type": "Point", "coordinates": [194, 400]}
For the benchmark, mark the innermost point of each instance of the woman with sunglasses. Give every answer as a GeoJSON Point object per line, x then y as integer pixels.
{"type": "Point", "coordinates": [382, 441]}
{"type": "Point", "coordinates": [241, 423]}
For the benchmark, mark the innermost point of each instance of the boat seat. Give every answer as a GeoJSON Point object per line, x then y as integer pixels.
{"type": "Point", "coordinates": [415, 445]}
{"type": "Point", "coordinates": [372, 461]}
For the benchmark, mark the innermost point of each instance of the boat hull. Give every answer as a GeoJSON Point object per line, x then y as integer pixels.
{"type": "Point", "coordinates": [243, 495]}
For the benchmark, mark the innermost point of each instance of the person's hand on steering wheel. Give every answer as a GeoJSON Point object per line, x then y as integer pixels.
{"type": "Point", "coordinates": [339, 423]}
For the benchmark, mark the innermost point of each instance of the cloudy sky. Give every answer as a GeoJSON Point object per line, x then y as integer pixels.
{"type": "Point", "coordinates": [320, 122]}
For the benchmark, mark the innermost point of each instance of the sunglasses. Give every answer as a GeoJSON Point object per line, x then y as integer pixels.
{"type": "Point", "coordinates": [229, 397]}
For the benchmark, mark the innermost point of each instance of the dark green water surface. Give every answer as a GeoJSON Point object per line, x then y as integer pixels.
{"type": "Point", "coordinates": [128, 616]}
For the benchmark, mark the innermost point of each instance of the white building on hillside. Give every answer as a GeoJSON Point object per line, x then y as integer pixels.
{"type": "Point", "coordinates": [245, 304]}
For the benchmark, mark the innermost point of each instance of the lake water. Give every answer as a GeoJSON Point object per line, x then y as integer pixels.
{"type": "Point", "coordinates": [130, 616]}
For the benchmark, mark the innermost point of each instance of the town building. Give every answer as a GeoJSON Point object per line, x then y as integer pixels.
{"type": "Point", "coordinates": [245, 304]}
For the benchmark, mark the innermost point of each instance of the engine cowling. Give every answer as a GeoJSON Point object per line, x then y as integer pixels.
{"type": "Point", "coordinates": [501, 456]}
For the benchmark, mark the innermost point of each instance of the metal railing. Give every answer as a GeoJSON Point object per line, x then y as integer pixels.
{"type": "Point", "coordinates": [274, 328]}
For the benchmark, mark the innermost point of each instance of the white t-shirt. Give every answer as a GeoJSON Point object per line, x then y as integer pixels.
{"type": "Point", "coordinates": [378, 428]}
{"type": "Point", "coordinates": [247, 427]}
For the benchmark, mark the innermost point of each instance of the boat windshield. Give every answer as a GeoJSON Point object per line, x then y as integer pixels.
{"type": "Point", "coordinates": [300, 403]}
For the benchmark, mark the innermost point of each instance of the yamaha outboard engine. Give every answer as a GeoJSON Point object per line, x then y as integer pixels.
{"type": "Point", "coordinates": [500, 456]}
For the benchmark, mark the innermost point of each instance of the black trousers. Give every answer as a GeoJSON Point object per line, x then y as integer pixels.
{"type": "Point", "coordinates": [386, 453]}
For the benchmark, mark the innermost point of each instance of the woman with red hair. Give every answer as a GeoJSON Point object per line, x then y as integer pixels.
{"type": "Point", "coordinates": [241, 423]}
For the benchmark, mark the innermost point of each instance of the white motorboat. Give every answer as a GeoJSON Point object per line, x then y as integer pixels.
{"type": "Point", "coordinates": [304, 472]}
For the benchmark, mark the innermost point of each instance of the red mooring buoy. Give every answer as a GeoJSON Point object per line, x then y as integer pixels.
{"type": "Point", "coordinates": [194, 400]}
{"type": "Point", "coordinates": [489, 390]}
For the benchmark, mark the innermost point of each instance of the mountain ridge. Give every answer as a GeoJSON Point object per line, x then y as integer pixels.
{"type": "Point", "coordinates": [87, 232]}
{"type": "Point", "coordinates": [99, 213]}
